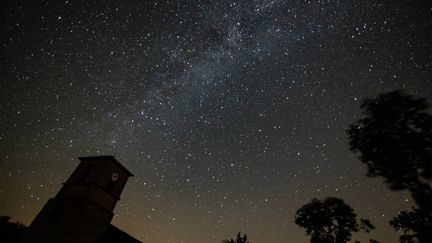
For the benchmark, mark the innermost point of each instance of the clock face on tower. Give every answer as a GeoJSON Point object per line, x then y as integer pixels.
{"type": "Point", "coordinates": [114, 176]}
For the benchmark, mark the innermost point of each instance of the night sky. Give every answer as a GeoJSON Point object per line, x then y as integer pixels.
{"type": "Point", "coordinates": [230, 114]}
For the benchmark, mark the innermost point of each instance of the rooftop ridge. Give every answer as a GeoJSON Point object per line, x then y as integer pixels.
{"type": "Point", "coordinates": [106, 157]}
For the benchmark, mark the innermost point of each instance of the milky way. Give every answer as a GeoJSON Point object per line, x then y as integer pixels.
{"type": "Point", "coordinates": [231, 114]}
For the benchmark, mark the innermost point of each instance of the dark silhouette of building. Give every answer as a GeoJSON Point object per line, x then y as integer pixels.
{"type": "Point", "coordinates": [83, 208]}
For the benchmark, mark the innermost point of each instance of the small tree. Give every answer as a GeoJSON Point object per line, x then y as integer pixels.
{"type": "Point", "coordinates": [330, 221]}
{"type": "Point", "coordinates": [240, 239]}
{"type": "Point", "coordinates": [10, 232]}
{"type": "Point", "coordinates": [373, 241]}
{"type": "Point", "coordinates": [394, 139]}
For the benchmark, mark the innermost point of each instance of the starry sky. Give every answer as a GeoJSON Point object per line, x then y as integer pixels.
{"type": "Point", "coordinates": [230, 114]}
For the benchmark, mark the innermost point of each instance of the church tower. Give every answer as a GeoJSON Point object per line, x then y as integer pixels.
{"type": "Point", "coordinates": [83, 208]}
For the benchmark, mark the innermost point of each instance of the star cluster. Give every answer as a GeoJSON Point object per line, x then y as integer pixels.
{"type": "Point", "coordinates": [231, 114]}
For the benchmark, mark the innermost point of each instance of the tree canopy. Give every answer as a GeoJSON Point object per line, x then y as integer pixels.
{"type": "Point", "coordinates": [394, 139]}
{"type": "Point", "coordinates": [415, 226]}
{"type": "Point", "coordinates": [240, 239]}
{"type": "Point", "coordinates": [330, 221]}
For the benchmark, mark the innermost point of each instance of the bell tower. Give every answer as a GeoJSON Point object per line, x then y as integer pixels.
{"type": "Point", "coordinates": [83, 208]}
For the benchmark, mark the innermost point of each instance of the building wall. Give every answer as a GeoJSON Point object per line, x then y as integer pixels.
{"type": "Point", "coordinates": [83, 208]}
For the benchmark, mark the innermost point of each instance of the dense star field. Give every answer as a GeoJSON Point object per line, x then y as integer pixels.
{"type": "Point", "coordinates": [230, 114]}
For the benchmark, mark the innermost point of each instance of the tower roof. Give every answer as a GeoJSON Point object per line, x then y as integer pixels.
{"type": "Point", "coordinates": [106, 158]}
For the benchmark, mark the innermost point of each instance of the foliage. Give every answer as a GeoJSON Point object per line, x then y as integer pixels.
{"type": "Point", "coordinates": [394, 139]}
{"type": "Point", "coordinates": [10, 232]}
{"type": "Point", "coordinates": [330, 221]}
{"type": "Point", "coordinates": [240, 239]}
{"type": "Point", "coordinates": [415, 226]}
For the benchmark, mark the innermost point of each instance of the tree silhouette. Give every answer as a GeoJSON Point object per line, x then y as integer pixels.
{"type": "Point", "coordinates": [240, 239]}
{"type": "Point", "coordinates": [10, 232]}
{"type": "Point", "coordinates": [415, 226]}
{"type": "Point", "coordinates": [373, 241]}
{"type": "Point", "coordinates": [330, 221]}
{"type": "Point", "coordinates": [394, 139]}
